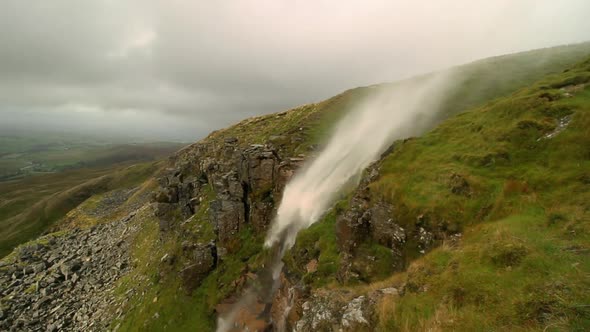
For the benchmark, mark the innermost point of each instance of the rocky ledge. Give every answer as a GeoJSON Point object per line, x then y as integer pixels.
{"type": "Point", "coordinates": [65, 282]}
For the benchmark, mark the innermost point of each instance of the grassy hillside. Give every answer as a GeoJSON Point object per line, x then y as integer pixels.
{"type": "Point", "coordinates": [28, 207]}
{"type": "Point", "coordinates": [43, 175]}
{"type": "Point", "coordinates": [512, 179]}
{"type": "Point", "coordinates": [521, 204]}
{"type": "Point", "coordinates": [302, 128]}
{"type": "Point", "coordinates": [417, 177]}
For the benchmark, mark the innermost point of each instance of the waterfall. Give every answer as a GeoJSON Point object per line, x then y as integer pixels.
{"type": "Point", "coordinates": [387, 114]}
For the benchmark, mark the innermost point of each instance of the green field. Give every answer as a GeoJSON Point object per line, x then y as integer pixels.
{"type": "Point", "coordinates": [23, 154]}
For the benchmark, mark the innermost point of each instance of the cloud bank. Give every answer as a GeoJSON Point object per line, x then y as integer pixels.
{"type": "Point", "coordinates": [178, 69]}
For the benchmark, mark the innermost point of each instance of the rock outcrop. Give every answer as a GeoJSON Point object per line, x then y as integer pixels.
{"type": "Point", "coordinates": [244, 183]}
{"type": "Point", "coordinates": [371, 219]}
{"type": "Point", "coordinates": [340, 310]}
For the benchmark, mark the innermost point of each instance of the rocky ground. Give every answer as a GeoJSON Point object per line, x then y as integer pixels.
{"type": "Point", "coordinates": [65, 282]}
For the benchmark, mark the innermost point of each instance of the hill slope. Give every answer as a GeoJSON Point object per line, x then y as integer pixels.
{"type": "Point", "coordinates": [471, 226]}
{"type": "Point", "coordinates": [237, 215]}
{"type": "Point", "coordinates": [511, 178]}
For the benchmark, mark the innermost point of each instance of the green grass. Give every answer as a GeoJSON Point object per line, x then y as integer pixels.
{"type": "Point", "coordinates": [525, 268]}
{"type": "Point", "coordinates": [500, 158]}
{"type": "Point", "coordinates": [481, 286]}
{"type": "Point", "coordinates": [319, 243]}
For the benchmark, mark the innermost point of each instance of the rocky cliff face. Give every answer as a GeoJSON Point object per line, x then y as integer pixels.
{"type": "Point", "coordinates": [208, 194]}
{"type": "Point", "coordinates": [245, 182]}
{"type": "Point", "coordinates": [371, 218]}
{"type": "Point", "coordinates": [243, 185]}
{"type": "Point", "coordinates": [368, 221]}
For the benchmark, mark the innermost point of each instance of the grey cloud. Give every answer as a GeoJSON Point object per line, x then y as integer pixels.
{"type": "Point", "coordinates": [198, 65]}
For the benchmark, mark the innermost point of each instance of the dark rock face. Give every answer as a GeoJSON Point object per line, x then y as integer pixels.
{"type": "Point", "coordinates": [246, 182]}
{"type": "Point", "coordinates": [65, 283]}
{"type": "Point", "coordinates": [373, 220]}
{"type": "Point", "coordinates": [205, 260]}
{"type": "Point", "coordinates": [367, 220]}
{"type": "Point", "coordinates": [227, 216]}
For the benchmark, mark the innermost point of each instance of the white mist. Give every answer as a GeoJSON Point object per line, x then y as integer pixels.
{"type": "Point", "coordinates": [390, 113]}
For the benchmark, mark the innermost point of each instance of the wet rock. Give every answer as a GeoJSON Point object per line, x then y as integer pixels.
{"type": "Point", "coordinates": [355, 314]}
{"type": "Point", "coordinates": [261, 213]}
{"type": "Point", "coordinates": [227, 217]}
{"type": "Point", "coordinates": [203, 258]}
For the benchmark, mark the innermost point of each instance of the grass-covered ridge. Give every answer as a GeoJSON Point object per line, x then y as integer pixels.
{"type": "Point", "coordinates": [522, 202]}
{"type": "Point", "coordinates": [301, 129]}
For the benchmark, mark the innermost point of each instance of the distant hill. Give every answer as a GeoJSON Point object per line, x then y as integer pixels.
{"type": "Point", "coordinates": [26, 153]}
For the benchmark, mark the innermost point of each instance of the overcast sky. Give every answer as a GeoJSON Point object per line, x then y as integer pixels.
{"type": "Point", "coordinates": [179, 69]}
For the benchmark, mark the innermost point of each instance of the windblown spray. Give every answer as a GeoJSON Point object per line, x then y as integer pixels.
{"type": "Point", "coordinates": [388, 113]}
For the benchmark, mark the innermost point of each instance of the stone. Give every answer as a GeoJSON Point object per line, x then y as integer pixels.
{"type": "Point", "coordinates": [383, 229]}
{"type": "Point", "coordinates": [353, 315]}
{"type": "Point", "coordinates": [231, 140]}
{"type": "Point", "coordinates": [107, 260]}
{"type": "Point", "coordinates": [227, 216]}
{"type": "Point", "coordinates": [261, 214]}
{"type": "Point", "coordinates": [203, 258]}
{"type": "Point", "coordinates": [39, 267]}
